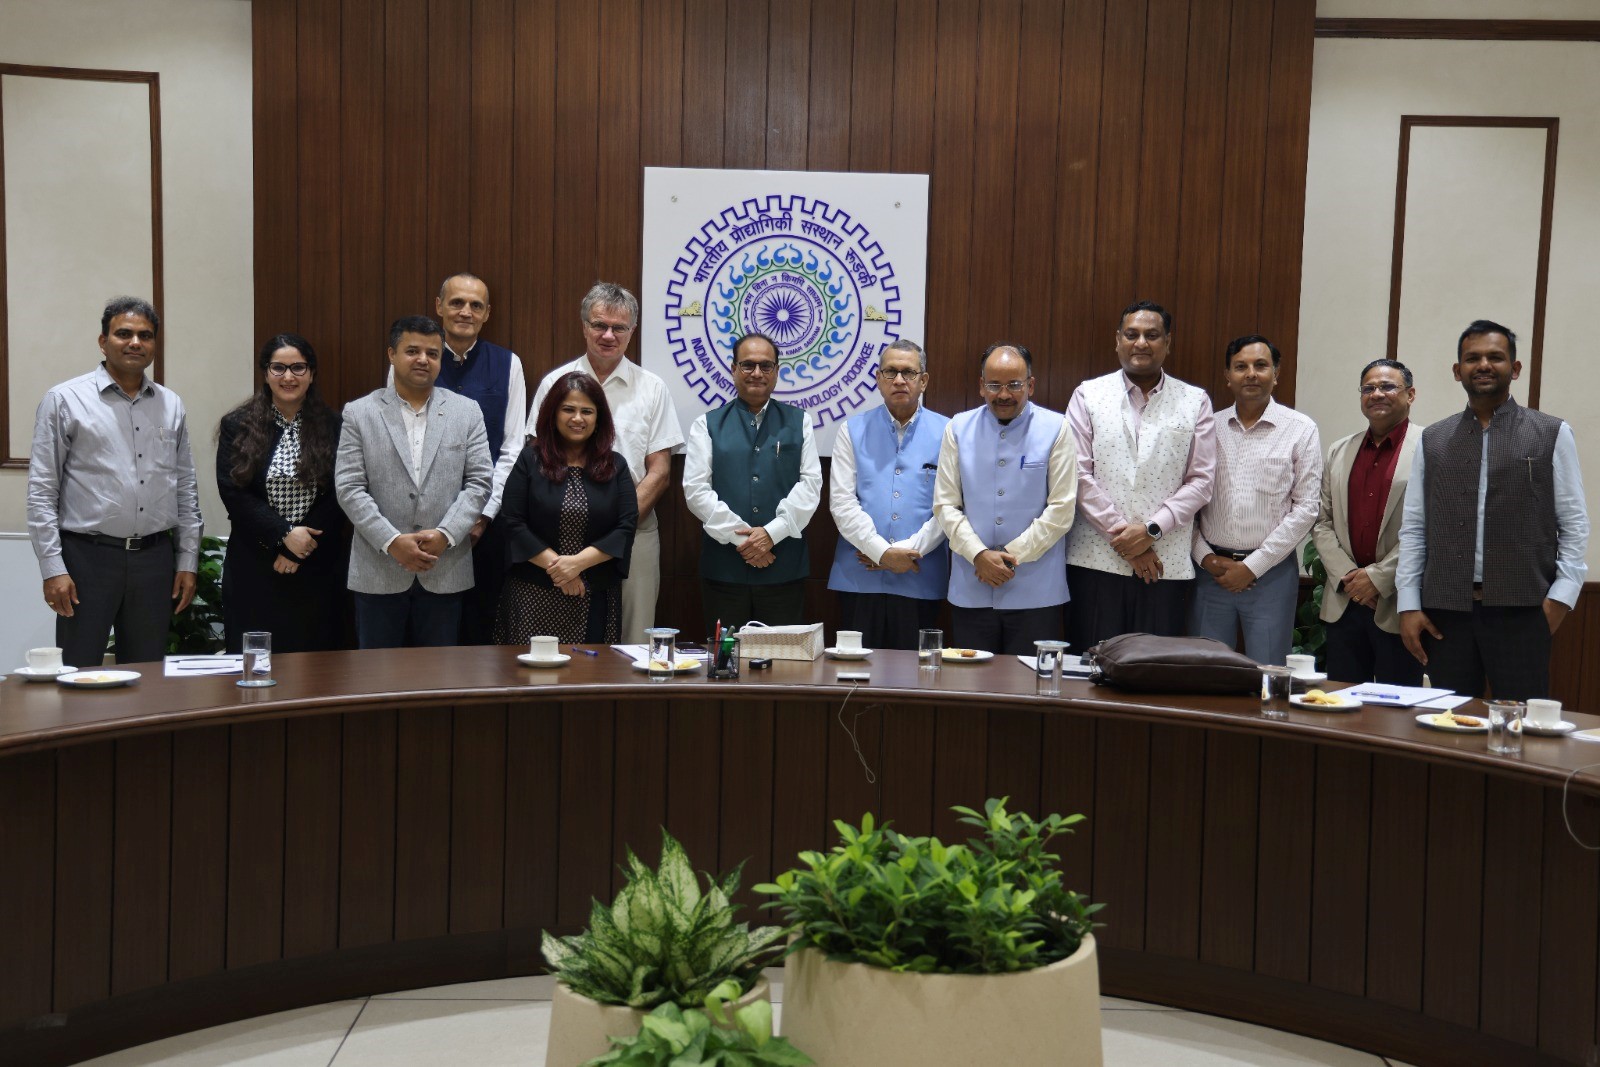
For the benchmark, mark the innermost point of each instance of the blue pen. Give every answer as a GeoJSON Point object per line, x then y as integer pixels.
{"type": "Point", "coordinates": [585, 651]}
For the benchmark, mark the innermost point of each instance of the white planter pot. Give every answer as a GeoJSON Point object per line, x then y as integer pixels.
{"type": "Point", "coordinates": [580, 1028]}
{"type": "Point", "coordinates": [855, 1015]}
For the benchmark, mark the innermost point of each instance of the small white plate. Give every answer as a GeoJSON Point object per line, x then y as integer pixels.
{"type": "Point", "coordinates": [1426, 719]}
{"type": "Point", "coordinates": [1558, 730]}
{"type": "Point", "coordinates": [841, 653]}
{"type": "Point", "coordinates": [527, 659]}
{"type": "Point", "coordinates": [953, 655]}
{"type": "Point", "coordinates": [43, 674]}
{"type": "Point", "coordinates": [685, 665]}
{"type": "Point", "coordinates": [1345, 703]}
{"type": "Point", "coordinates": [98, 679]}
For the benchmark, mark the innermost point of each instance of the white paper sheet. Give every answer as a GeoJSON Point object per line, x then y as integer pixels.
{"type": "Point", "coordinates": [1071, 666]}
{"type": "Point", "coordinates": [1396, 696]}
{"type": "Point", "coordinates": [195, 666]}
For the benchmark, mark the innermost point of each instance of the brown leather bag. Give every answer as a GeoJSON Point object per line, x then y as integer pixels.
{"type": "Point", "coordinates": [1146, 663]}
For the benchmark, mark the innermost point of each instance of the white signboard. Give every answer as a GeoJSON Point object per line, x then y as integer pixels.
{"type": "Point", "coordinates": [832, 267]}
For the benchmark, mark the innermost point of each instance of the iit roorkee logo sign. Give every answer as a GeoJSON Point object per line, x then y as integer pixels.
{"type": "Point", "coordinates": [800, 271]}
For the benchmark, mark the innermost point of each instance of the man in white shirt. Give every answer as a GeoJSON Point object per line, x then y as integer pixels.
{"type": "Point", "coordinates": [891, 567]}
{"type": "Point", "coordinates": [752, 476]}
{"type": "Point", "coordinates": [1263, 504]}
{"type": "Point", "coordinates": [647, 432]}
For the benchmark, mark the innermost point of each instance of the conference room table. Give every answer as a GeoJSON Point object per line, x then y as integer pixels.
{"type": "Point", "coordinates": [183, 852]}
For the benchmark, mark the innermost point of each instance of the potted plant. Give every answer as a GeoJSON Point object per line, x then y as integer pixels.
{"type": "Point", "coordinates": [908, 950]}
{"type": "Point", "coordinates": [671, 1036]}
{"type": "Point", "coordinates": [662, 941]}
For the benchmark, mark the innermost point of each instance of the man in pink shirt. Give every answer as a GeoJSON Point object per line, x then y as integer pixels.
{"type": "Point", "coordinates": [1147, 453]}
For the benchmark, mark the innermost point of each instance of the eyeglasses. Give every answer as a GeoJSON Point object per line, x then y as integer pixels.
{"type": "Point", "coordinates": [995, 388]}
{"type": "Point", "coordinates": [602, 328]}
{"type": "Point", "coordinates": [751, 366]}
{"type": "Point", "coordinates": [1386, 388]}
{"type": "Point", "coordinates": [278, 370]}
{"type": "Point", "coordinates": [892, 374]}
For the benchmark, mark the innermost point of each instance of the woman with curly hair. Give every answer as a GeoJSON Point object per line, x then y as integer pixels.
{"type": "Point", "coordinates": [569, 510]}
{"type": "Point", "coordinates": [285, 566]}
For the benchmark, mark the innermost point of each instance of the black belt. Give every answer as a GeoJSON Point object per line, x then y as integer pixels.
{"type": "Point", "coordinates": [127, 544]}
{"type": "Point", "coordinates": [1238, 555]}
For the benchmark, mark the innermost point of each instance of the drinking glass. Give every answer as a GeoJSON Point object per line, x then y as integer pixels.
{"type": "Point", "coordinates": [1275, 692]}
{"type": "Point", "coordinates": [1505, 726]}
{"type": "Point", "coordinates": [663, 652]}
{"type": "Point", "coordinates": [257, 660]}
{"type": "Point", "coordinates": [930, 649]}
{"type": "Point", "coordinates": [1047, 666]}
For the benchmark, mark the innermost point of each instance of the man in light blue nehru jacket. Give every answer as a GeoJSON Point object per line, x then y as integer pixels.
{"type": "Point", "coordinates": [1007, 486]}
{"type": "Point", "coordinates": [891, 567]}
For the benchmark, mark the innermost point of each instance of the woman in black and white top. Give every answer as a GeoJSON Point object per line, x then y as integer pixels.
{"type": "Point", "coordinates": [285, 565]}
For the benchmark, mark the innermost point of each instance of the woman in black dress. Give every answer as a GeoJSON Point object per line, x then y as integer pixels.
{"type": "Point", "coordinates": [284, 569]}
{"type": "Point", "coordinates": [569, 511]}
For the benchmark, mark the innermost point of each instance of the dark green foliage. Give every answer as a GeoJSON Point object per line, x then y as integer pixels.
{"type": "Point", "coordinates": [1310, 633]}
{"type": "Point", "coordinates": [671, 1036]}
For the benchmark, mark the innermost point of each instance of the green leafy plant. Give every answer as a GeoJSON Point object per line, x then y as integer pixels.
{"type": "Point", "coordinates": [662, 940]}
{"type": "Point", "coordinates": [199, 629]}
{"type": "Point", "coordinates": [994, 905]}
{"type": "Point", "coordinates": [671, 1036]}
{"type": "Point", "coordinates": [1310, 632]}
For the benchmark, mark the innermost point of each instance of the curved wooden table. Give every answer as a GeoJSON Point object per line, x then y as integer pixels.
{"type": "Point", "coordinates": [184, 852]}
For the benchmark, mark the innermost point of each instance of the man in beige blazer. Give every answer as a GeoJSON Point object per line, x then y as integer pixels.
{"type": "Point", "coordinates": [1358, 532]}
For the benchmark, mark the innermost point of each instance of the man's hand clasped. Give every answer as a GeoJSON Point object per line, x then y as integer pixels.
{"type": "Point", "coordinates": [411, 551]}
{"type": "Point", "coordinates": [995, 567]}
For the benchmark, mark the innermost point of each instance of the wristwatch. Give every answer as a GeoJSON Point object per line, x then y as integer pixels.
{"type": "Point", "coordinates": [1153, 530]}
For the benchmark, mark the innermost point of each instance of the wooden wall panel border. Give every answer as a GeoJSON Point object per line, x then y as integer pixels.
{"type": "Point", "coordinates": [153, 80]}
{"type": "Point", "coordinates": [1462, 29]}
{"type": "Point", "coordinates": [1541, 283]}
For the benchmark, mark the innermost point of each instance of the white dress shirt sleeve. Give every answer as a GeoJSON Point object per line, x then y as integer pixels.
{"type": "Point", "coordinates": [1572, 521]}
{"type": "Point", "coordinates": [948, 501]}
{"type": "Point", "coordinates": [1413, 541]}
{"type": "Point", "coordinates": [515, 429]}
{"type": "Point", "coordinates": [1061, 500]}
{"type": "Point", "coordinates": [717, 517]}
{"type": "Point", "coordinates": [800, 503]}
{"type": "Point", "coordinates": [665, 430]}
{"type": "Point", "coordinates": [852, 520]}
{"type": "Point", "coordinates": [1305, 499]}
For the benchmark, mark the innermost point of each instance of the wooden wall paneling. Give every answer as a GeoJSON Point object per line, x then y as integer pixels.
{"type": "Point", "coordinates": [1568, 662]}
{"type": "Point", "coordinates": [493, 136]}
{"type": "Point", "coordinates": [705, 61]}
{"type": "Point", "coordinates": [911, 128]}
{"type": "Point", "coordinates": [640, 807]}
{"type": "Point", "coordinates": [274, 114]}
{"type": "Point", "coordinates": [788, 90]}
{"type": "Point", "coordinates": [1161, 145]}
{"type": "Point", "coordinates": [960, 749]}
{"type": "Point", "coordinates": [1461, 29]}
{"type": "Point", "coordinates": [198, 926]}
{"type": "Point", "coordinates": [1341, 831]}
{"type": "Point", "coordinates": [534, 816]}
{"type": "Point", "coordinates": [1123, 814]}
{"type": "Point", "coordinates": [1069, 755]}
{"type": "Point", "coordinates": [583, 857]}
{"type": "Point", "coordinates": [1176, 828]}
{"type": "Point", "coordinates": [84, 820]}
{"type": "Point", "coordinates": [1395, 896]}
{"type": "Point", "coordinates": [694, 759]}
{"type": "Point", "coordinates": [358, 346]}
{"type": "Point", "coordinates": [1030, 279]}
{"type": "Point", "coordinates": [799, 808]}
{"type": "Point", "coordinates": [318, 132]}
{"type": "Point", "coordinates": [745, 828]}
{"type": "Point", "coordinates": [744, 118]}
{"type": "Point", "coordinates": [27, 892]}
{"type": "Point", "coordinates": [993, 160]}
{"type": "Point", "coordinates": [872, 88]}
{"type": "Point", "coordinates": [141, 863]}
{"type": "Point", "coordinates": [1122, 149]}
{"type": "Point", "coordinates": [369, 761]}
{"type": "Point", "coordinates": [1513, 857]}
{"type": "Point", "coordinates": [576, 148]}
{"type": "Point", "coordinates": [852, 788]}
{"type": "Point", "coordinates": [406, 269]}
{"type": "Point", "coordinates": [313, 762]}
{"type": "Point", "coordinates": [950, 198]}
{"type": "Point", "coordinates": [529, 294]}
{"type": "Point", "coordinates": [619, 183]}
{"type": "Point", "coordinates": [1229, 876]}
{"type": "Point", "coordinates": [422, 822]}
{"type": "Point", "coordinates": [1014, 759]}
{"type": "Point", "coordinates": [1571, 885]}
{"type": "Point", "coordinates": [828, 110]}
{"type": "Point", "coordinates": [448, 136]}
{"type": "Point", "coordinates": [1283, 859]}
{"type": "Point", "coordinates": [907, 753]}
{"type": "Point", "coordinates": [1078, 324]}
{"type": "Point", "coordinates": [478, 820]}
{"type": "Point", "coordinates": [255, 843]}
{"type": "Point", "coordinates": [1451, 960]}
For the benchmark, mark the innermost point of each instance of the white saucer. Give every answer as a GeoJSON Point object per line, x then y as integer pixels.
{"type": "Point", "coordinates": [1426, 719]}
{"type": "Point", "coordinates": [1558, 730]}
{"type": "Point", "coordinates": [840, 653]}
{"type": "Point", "coordinates": [1345, 703]}
{"type": "Point", "coordinates": [98, 679]}
{"type": "Point", "coordinates": [528, 659]}
{"type": "Point", "coordinates": [43, 674]}
{"type": "Point", "coordinates": [951, 655]}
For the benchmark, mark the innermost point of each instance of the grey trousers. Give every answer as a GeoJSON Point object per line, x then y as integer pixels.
{"type": "Point", "coordinates": [131, 591]}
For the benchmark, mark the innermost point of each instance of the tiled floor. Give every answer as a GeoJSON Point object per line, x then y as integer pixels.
{"type": "Point", "coordinates": [504, 1024]}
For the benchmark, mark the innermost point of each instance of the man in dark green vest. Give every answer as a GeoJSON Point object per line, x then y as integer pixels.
{"type": "Point", "coordinates": [752, 477]}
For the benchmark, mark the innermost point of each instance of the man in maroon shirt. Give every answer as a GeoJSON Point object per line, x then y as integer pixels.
{"type": "Point", "coordinates": [1358, 532]}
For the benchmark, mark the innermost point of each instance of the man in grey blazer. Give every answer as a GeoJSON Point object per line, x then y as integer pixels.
{"type": "Point", "coordinates": [413, 473]}
{"type": "Point", "coordinates": [1358, 532]}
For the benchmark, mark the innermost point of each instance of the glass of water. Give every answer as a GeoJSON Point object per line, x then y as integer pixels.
{"type": "Point", "coordinates": [1505, 726]}
{"type": "Point", "coordinates": [1047, 666]}
{"type": "Point", "coordinates": [663, 652]}
{"type": "Point", "coordinates": [1275, 692]}
{"type": "Point", "coordinates": [930, 649]}
{"type": "Point", "coordinates": [257, 660]}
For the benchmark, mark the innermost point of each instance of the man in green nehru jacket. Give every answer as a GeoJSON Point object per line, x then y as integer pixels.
{"type": "Point", "coordinates": [752, 477]}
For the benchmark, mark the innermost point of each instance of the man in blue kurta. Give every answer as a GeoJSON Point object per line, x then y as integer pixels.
{"type": "Point", "coordinates": [891, 567]}
{"type": "Point", "coordinates": [1007, 486]}
{"type": "Point", "coordinates": [752, 477]}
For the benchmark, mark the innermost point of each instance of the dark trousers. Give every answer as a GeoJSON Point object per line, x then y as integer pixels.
{"type": "Point", "coordinates": [736, 603]}
{"type": "Point", "coordinates": [415, 618]}
{"type": "Point", "coordinates": [887, 620]}
{"type": "Point", "coordinates": [1508, 647]}
{"type": "Point", "coordinates": [1004, 632]}
{"type": "Point", "coordinates": [1358, 650]}
{"type": "Point", "coordinates": [481, 603]}
{"type": "Point", "coordinates": [1106, 605]}
{"type": "Point", "coordinates": [131, 591]}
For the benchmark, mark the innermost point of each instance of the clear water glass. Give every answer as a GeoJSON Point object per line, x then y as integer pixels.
{"type": "Point", "coordinates": [663, 652]}
{"type": "Point", "coordinates": [1505, 726]}
{"type": "Point", "coordinates": [930, 649]}
{"type": "Point", "coordinates": [1275, 692]}
{"type": "Point", "coordinates": [1047, 666]}
{"type": "Point", "coordinates": [257, 660]}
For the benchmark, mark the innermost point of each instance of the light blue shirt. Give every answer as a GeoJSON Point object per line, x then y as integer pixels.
{"type": "Point", "coordinates": [1572, 527]}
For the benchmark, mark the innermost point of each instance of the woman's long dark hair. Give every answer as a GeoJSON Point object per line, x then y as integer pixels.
{"type": "Point", "coordinates": [252, 449]}
{"type": "Point", "coordinates": [551, 447]}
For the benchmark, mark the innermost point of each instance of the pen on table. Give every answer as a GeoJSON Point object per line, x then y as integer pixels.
{"type": "Point", "coordinates": [585, 651]}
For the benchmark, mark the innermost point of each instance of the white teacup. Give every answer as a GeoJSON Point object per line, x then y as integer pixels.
{"type": "Point", "coordinates": [544, 648]}
{"type": "Point", "coordinates": [848, 640]}
{"type": "Point", "coordinates": [1544, 712]}
{"type": "Point", "coordinates": [1301, 664]}
{"type": "Point", "coordinates": [44, 659]}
